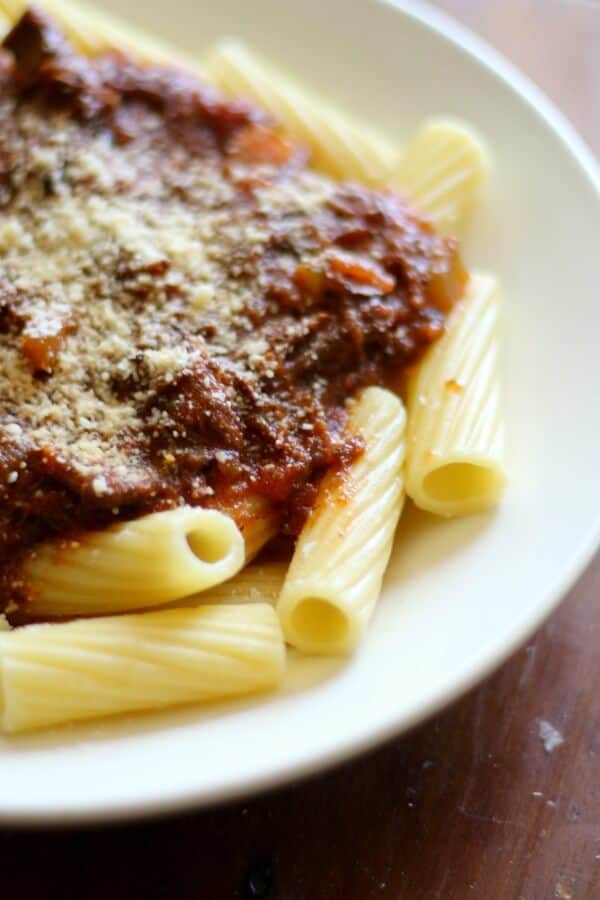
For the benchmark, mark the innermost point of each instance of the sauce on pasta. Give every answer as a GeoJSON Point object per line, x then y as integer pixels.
{"type": "Point", "coordinates": [185, 306]}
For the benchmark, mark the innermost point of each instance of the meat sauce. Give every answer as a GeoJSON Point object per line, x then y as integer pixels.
{"type": "Point", "coordinates": [185, 307]}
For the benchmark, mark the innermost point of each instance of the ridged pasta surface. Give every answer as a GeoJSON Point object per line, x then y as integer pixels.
{"type": "Point", "coordinates": [335, 575]}
{"type": "Point", "coordinates": [51, 674]}
{"type": "Point", "coordinates": [152, 560]}
{"type": "Point", "coordinates": [441, 171]}
{"type": "Point", "coordinates": [455, 433]}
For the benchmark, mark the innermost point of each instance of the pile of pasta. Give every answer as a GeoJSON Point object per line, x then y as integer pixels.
{"type": "Point", "coordinates": [442, 447]}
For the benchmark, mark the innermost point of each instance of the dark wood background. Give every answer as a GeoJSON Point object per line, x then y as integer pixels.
{"type": "Point", "coordinates": [473, 805]}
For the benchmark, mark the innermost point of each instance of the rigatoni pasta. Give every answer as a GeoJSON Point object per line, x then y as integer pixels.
{"type": "Point", "coordinates": [258, 521]}
{"type": "Point", "coordinates": [51, 674]}
{"type": "Point", "coordinates": [442, 170]}
{"type": "Point", "coordinates": [227, 329]}
{"type": "Point", "coordinates": [337, 568]}
{"type": "Point", "coordinates": [455, 422]}
{"type": "Point", "coordinates": [146, 562]}
{"type": "Point", "coordinates": [256, 583]}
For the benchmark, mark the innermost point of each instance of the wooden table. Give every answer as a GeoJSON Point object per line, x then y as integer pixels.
{"type": "Point", "coordinates": [483, 802]}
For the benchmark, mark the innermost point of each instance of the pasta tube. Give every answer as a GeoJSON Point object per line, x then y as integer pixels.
{"type": "Point", "coordinates": [441, 172]}
{"type": "Point", "coordinates": [455, 434]}
{"type": "Point", "coordinates": [256, 518]}
{"type": "Point", "coordinates": [93, 31]}
{"type": "Point", "coordinates": [146, 562]}
{"type": "Point", "coordinates": [257, 583]}
{"type": "Point", "coordinates": [259, 532]}
{"type": "Point", "coordinates": [334, 579]}
{"type": "Point", "coordinates": [51, 674]}
{"type": "Point", "coordinates": [341, 148]}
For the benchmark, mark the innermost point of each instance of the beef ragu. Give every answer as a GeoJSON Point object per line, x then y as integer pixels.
{"type": "Point", "coordinates": [185, 306]}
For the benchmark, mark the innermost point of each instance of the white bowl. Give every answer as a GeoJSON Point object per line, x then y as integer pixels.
{"type": "Point", "coordinates": [459, 596]}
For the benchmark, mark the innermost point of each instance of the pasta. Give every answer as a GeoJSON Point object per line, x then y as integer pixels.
{"type": "Point", "coordinates": [259, 532]}
{"type": "Point", "coordinates": [441, 171]}
{"type": "Point", "coordinates": [51, 674]}
{"type": "Point", "coordinates": [221, 328]}
{"type": "Point", "coordinates": [257, 519]}
{"type": "Point", "coordinates": [147, 562]}
{"type": "Point", "coordinates": [455, 433]}
{"type": "Point", "coordinates": [336, 571]}
{"type": "Point", "coordinates": [340, 147]}
{"type": "Point", "coordinates": [256, 583]}
{"type": "Point", "coordinates": [93, 31]}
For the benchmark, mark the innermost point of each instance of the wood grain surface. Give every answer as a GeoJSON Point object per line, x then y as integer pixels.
{"type": "Point", "coordinates": [498, 798]}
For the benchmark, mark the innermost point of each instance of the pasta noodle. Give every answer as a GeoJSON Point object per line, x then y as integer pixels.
{"type": "Point", "coordinates": [256, 518]}
{"type": "Point", "coordinates": [441, 171]}
{"type": "Point", "coordinates": [340, 147]}
{"type": "Point", "coordinates": [146, 562]}
{"type": "Point", "coordinates": [51, 674]}
{"type": "Point", "coordinates": [256, 583]}
{"type": "Point", "coordinates": [93, 31]}
{"type": "Point", "coordinates": [259, 532]}
{"type": "Point", "coordinates": [335, 575]}
{"type": "Point", "coordinates": [455, 434]}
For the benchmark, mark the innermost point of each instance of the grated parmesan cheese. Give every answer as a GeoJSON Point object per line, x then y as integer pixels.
{"type": "Point", "coordinates": [98, 248]}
